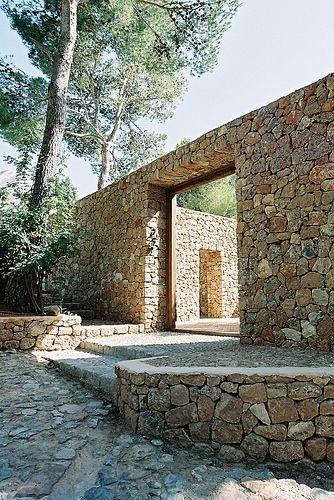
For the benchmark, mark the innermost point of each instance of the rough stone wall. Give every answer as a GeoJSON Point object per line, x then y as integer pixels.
{"type": "Point", "coordinates": [114, 271]}
{"type": "Point", "coordinates": [284, 161]}
{"type": "Point", "coordinates": [285, 191]}
{"type": "Point", "coordinates": [239, 416]}
{"type": "Point", "coordinates": [201, 239]}
{"type": "Point", "coordinates": [47, 333]}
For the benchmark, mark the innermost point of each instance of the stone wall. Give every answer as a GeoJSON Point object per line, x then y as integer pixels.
{"type": "Point", "coordinates": [46, 333]}
{"type": "Point", "coordinates": [238, 415]}
{"type": "Point", "coordinates": [284, 161]}
{"type": "Point", "coordinates": [207, 273]}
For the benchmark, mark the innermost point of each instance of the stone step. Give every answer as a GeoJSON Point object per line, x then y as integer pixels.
{"type": "Point", "coordinates": [100, 328]}
{"type": "Point", "coordinates": [108, 347]}
{"type": "Point", "coordinates": [93, 370]}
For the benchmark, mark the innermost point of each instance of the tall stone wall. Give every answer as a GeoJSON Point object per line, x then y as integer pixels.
{"type": "Point", "coordinates": [207, 273]}
{"type": "Point", "coordinates": [284, 162]}
{"type": "Point", "coordinates": [285, 191]}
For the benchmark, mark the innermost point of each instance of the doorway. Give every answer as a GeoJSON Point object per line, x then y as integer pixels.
{"type": "Point", "coordinates": [199, 284]}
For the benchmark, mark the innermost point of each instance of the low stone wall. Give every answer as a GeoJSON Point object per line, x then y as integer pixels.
{"type": "Point", "coordinates": [207, 265]}
{"type": "Point", "coordinates": [46, 333]}
{"type": "Point", "coordinates": [278, 413]}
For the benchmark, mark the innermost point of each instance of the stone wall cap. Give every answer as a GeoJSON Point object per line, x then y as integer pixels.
{"type": "Point", "coordinates": [143, 366]}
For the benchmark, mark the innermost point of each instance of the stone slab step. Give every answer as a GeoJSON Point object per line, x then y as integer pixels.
{"type": "Point", "coordinates": [107, 347]}
{"type": "Point", "coordinates": [99, 328]}
{"type": "Point", "coordinates": [93, 370]}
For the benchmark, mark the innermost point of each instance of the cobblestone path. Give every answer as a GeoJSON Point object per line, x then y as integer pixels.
{"type": "Point", "coordinates": [58, 441]}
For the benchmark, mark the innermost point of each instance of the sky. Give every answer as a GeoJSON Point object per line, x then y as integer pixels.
{"type": "Point", "coordinates": [272, 48]}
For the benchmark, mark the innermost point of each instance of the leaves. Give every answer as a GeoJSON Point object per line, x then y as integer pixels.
{"type": "Point", "coordinates": [218, 198]}
{"type": "Point", "coordinates": [35, 239]}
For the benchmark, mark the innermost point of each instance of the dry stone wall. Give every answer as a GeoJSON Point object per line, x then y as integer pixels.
{"type": "Point", "coordinates": [284, 161]}
{"type": "Point", "coordinates": [236, 415]}
{"type": "Point", "coordinates": [207, 273]}
{"type": "Point", "coordinates": [46, 333]}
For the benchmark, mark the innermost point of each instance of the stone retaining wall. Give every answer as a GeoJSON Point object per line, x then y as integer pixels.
{"type": "Point", "coordinates": [46, 333]}
{"type": "Point", "coordinates": [238, 415]}
{"type": "Point", "coordinates": [207, 267]}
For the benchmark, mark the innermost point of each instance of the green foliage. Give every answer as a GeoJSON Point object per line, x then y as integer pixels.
{"type": "Point", "coordinates": [217, 198]}
{"type": "Point", "coordinates": [34, 239]}
{"type": "Point", "coordinates": [129, 65]}
{"type": "Point", "coordinates": [22, 107]}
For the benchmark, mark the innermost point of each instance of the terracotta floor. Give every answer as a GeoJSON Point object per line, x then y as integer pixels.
{"type": "Point", "coordinates": [218, 326]}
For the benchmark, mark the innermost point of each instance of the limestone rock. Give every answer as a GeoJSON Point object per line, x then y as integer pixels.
{"type": "Point", "coordinates": [255, 447]}
{"type": "Point", "coordinates": [226, 433]}
{"type": "Point", "coordinates": [276, 432]}
{"type": "Point", "coordinates": [282, 410]}
{"type": "Point", "coordinates": [253, 393]}
{"type": "Point", "coordinates": [181, 416]}
{"type": "Point", "coordinates": [229, 408]}
{"type": "Point", "coordinates": [316, 448]}
{"type": "Point", "coordinates": [301, 430]}
{"type": "Point", "coordinates": [286, 451]}
{"type": "Point", "coordinates": [179, 395]}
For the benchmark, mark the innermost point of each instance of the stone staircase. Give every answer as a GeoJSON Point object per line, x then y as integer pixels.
{"type": "Point", "coordinates": [93, 362]}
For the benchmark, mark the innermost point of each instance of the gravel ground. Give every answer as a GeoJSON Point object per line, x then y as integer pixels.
{"type": "Point", "coordinates": [59, 441]}
{"type": "Point", "coordinates": [232, 353]}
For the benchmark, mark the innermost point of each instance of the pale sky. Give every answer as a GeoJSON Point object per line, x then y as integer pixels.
{"type": "Point", "coordinates": [272, 48]}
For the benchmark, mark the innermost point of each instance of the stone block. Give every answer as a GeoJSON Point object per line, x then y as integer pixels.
{"type": "Point", "coordinates": [255, 447]}
{"type": "Point", "coordinates": [324, 426]}
{"type": "Point", "coordinates": [286, 451]}
{"type": "Point", "coordinates": [200, 431]}
{"type": "Point", "coordinates": [205, 407]}
{"type": "Point", "coordinates": [182, 416]}
{"type": "Point", "coordinates": [179, 395]}
{"type": "Point", "coordinates": [230, 454]}
{"type": "Point", "coordinates": [330, 452]}
{"type": "Point", "coordinates": [282, 410]}
{"type": "Point", "coordinates": [253, 393]}
{"type": "Point", "coordinates": [308, 409]}
{"type": "Point", "coordinates": [275, 432]}
{"type": "Point", "coordinates": [249, 421]}
{"type": "Point", "coordinates": [158, 399]}
{"type": "Point", "coordinates": [316, 448]}
{"type": "Point", "coordinates": [226, 433]}
{"type": "Point", "coordinates": [303, 390]}
{"type": "Point", "coordinates": [229, 408]}
{"type": "Point", "coordinates": [300, 431]}
{"type": "Point", "coordinates": [260, 412]}
{"type": "Point", "coordinates": [151, 423]}
{"type": "Point", "coordinates": [193, 380]}
{"type": "Point", "coordinates": [327, 407]}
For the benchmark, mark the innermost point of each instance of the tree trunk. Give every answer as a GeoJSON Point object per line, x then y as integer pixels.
{"type": "Point", "coordinates": [106, 166]}
{"type": "Point", "coordinates": [48, 159]}
{"type": "Point", "coordinates": [23, 293]}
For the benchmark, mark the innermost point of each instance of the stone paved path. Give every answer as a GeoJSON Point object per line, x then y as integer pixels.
{"type": "Point", "coordinates": [58, 441]}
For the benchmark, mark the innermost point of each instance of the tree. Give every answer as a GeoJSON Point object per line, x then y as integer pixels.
{"type": "Point", "coordinates": [127, 65]}
{"type": "Point", "coordinates": [31, 242]}
{"type": "Point", "coordinates": [185, 32]}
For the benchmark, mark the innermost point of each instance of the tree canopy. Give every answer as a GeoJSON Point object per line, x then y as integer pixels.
{"type": "Point", "coordinates": [129, 65]}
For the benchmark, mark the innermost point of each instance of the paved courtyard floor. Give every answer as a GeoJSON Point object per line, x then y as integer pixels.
{"type": "Point", "coordinates": [59, 441]}
{"type": "Point", "coordinates": [218, 326]}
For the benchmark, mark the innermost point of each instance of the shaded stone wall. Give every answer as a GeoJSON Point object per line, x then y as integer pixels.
{"type": "Point", "coordinates": [284, 161]}
{"type": "Point", "coordinates": [237, 415]}
{"type": "Point", "coordinates": [206, 254]}
{"type": "Point", "coordinates": [46, 333]}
